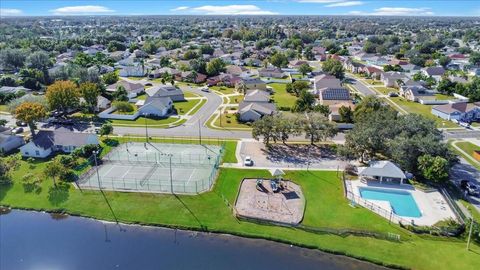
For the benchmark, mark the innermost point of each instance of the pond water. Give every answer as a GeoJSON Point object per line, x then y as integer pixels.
{"type": "Point", "coordinates": [33, 240]}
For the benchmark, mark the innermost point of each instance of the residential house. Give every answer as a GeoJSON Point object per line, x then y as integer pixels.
{"type": "Point", "coordinates": [46, 142]}
{"type": "Point", "coordinates": [391, 78]}
{"type": "Point", "coordinates": [434, 72]}
{"type": "Point", "coordinates": [223, 79]}
{"type": "Point", "coordinates": [9, 141]}
{"type": "Point", "coordinates": [461, 111]}
{"type": "Point", "coordinates": [296, 63]}
{"type": "Point", "coordinates": [132, 71]}
{"type": "Point", "coordinates": [330, 96]}
{"type": "Point", "coordinates": [252, 83]}
{"type": "Point", "coordinates": [156, 106]}
{"type": "Point", "coordinates": [255, 105]}
{"type": "Point", "coordinates": [190, 76]}
{"type": "Point", "coordinates": [103, 103]}
{"type": "Point", "coordinates": [353, 67]}
{"type": "Point", "coordinates": [335, 109]}
{"type": "Point", "coordinates": [170, 91]}
{"type": "Point", "coordinates": [236, 70]}
{"type": "Point", "coordinates": [271, 72]}
{"type": "Point", "coordinates": [133, 89]}
{"type": "Point", "coordinates": [325, 81]}
{"type": "Point", "coordinates": [415, 93]}
{"type": "Point", "coordinates": [372, 72]}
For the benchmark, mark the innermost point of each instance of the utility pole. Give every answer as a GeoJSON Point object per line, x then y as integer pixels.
{"type": "Point", "coordinates": [470, 234]}
{"type": "Point", "coordinates": [199, 131]}
{"type": "Point", "coordinates": [146, 127]}
{"type": "Point", "coordinates": [96, 169]}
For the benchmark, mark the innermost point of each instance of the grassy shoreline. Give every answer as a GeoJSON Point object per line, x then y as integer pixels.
{"type": "Point", "coordinates": [326, 207]}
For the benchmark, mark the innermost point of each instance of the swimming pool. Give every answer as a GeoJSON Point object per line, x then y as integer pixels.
{"type": "Point", "coordinates": [402, 202]}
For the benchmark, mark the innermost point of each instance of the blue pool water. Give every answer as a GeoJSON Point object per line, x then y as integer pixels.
{"type": "Point", "coordinates": [402, 202]}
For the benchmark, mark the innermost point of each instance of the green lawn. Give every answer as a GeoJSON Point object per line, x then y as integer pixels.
{"type": "Point", "coordinates": [202, 102]}
{"type": "Point", "coordinates": [189, 94]}
{"type": "Point", "coordinates": [325, 207]}
{"type": "Point", "coordinates": [425, 110]}
{"type": "Point", "coordinates": [3, 108]}
{"type": "Point", "coordinates": [468, 148]}
{"type": "Point", "coordinates": [185, 106]}
{"type": "Point", "coordinates": [223, 89]}
{"type": "Point", "coordinates": [281, 97]}
{"type": "Point", "coordinates": [385, 90]}
{"type": "Point", "coordinates": [229, 120]}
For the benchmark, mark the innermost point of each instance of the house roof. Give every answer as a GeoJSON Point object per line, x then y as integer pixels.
{"type": "Point", "coordinates": [159, 103]}
{"type": "Point", "coordinates": [164, 91]}
{"type": "Point", "coordinates": [334, 94]}
{"type": "Point", "coordinates": [435, 71]}
{"type": "Point", "coordinates": [128, 86]}
{"type": "Point", "coordinates": [382, 168]}
{"type": "Point", "coordinates": [455, 107]}
{"type": "Point", "coordinates": [252, 81]}
{"type": "Point", "coordinates": [257, 96]}
{"type": "Point", "coordinates": [326, 81]}
{"type": "Point", "coordinates": [62, 136]}
{"type": "Point", "coordinates": [261, 108]}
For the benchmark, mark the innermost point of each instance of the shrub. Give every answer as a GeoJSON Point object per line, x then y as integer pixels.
{"type": "Point", "coordinates": [86, 151]}
{"type": "Point", "coordinates": [123, 106]}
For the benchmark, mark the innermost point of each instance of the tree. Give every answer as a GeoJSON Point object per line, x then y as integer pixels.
{"type": "Point", "coordinates": [474, 58]}
{"type": "Point", "coordinates": [298, 86]}
{"type": "Point", "coordinates": [265, 128]}
{"type": "Point", "coordinates": [445, 86]}
{"type": "Point", "coordinates": [206, 49]}
{"type": "Point", "coordinates": [3, 122]}
{"type": "Point", "coordinates": [89, 92]}
{"type": "Point", "coordinates": [334, 67]}
{"type": "Point", "coordinates": [190, 54]}
{"type": "Point", "coordinates": [433, 169]}
{"type": "Point", "coordinates": [304, 102]}
{"type": "Point", "coordinates": [304, 69]}
{"type": "Point", "coordinates": [346, 114]}
{"type": "Point", "coordinates": [12, 58]}
{"type": "Point", "coordinates": [368, 104]}
{"type": "Point", "coordinates": [215, 66]}
{"type": "Point", "coordinates": [106, 129]}
{"type": "Point", "coordinates": [279, 60]}
{"type": "Point", "coordinates": [39, 60]}
{"type": "Point", "coordinates": [444, 60]}
{"type": "Point", "coordinates": [8, 81]}
{"type": "Point", "coordinates": [120, 94]}
{"type": "Point", "coordinates": [318, 128]}
{"type": "Point", "coordinates": [54, 169]}
{"type": "Point", "coordinates": [30, 112]}
{"type": "Point", "coordinates": [150, 47]}
{"type": "Point", "coordinates": [241, 87]}
{"type": "Point", "coordinates": [123, 106]}
{"type": "Point", "coordinates": [110, 78]}
{"type": "Point", "coordinates": [62, 96]}
{"type": "Point", "coordinates": [285, 126]}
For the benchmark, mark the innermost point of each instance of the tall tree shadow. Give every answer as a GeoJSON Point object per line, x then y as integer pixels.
{"type": "Point", "coordinates": [58, 194]}
{"type": "Point", "coordinates": [190, 211]}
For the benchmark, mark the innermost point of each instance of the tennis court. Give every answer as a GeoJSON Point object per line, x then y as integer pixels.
{"type": "Point", "coordinates": [157, 168]}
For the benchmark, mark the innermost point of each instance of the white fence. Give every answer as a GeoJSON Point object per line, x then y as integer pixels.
{"type": "Point", "coordinates": [108, 114]}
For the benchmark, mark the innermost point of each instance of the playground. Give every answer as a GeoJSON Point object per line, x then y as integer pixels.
{"type": "Point", "coordinates": [274, 200]}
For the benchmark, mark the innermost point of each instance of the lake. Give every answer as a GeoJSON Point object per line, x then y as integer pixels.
{"type": "Point", "coordinates": [34, 240]}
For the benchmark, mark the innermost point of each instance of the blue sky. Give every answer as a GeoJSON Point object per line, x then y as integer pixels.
{"type": "Point", "coordinates": [241, 7]}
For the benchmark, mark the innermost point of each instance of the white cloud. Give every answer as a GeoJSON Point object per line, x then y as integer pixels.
{"type": "Point", "coordinates": [180, 8]}
{"type": "Point", "coordinates": [320, 1]}
{"type": "Point", "coordinates": [4, 12]}
{"type": "Point", "coordinates": [396, 11]}
{"type": "Point", "coordinates": [82, 10]}
{"type": "Point", "coordinates": [346, 4]}
{"type": "Point", "coordinates": [229, 10]}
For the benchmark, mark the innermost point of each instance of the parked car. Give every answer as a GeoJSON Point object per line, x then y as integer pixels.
{"type": "Point", "coordinates": [392, 94]}
{"type": "Point", "coordinates": [469, 187]}
{"type": "Point", "coordinates": [464, 124]}
{"type": "Point", "coordinates": [248, 161]}
{"type": "Point", "coordinates": [205, 89]}
{"type": "Point", "coordinates": [17, 130]}
{"type": "Point", "coordinates": [21, 124]}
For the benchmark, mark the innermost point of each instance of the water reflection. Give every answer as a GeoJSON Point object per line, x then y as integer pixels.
{"type": "Point", "coordinates": [32, 240]}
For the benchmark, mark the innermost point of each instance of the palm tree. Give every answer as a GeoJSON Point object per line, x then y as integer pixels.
{"type": "Point", "coordinates": [242, 87]}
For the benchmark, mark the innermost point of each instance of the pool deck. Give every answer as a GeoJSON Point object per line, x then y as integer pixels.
{"type": "Point", "coordinates": [432, 205]}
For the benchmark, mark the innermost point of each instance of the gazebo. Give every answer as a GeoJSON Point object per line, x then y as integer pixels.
{"type": "Point", "coordinates": [277, 173]}
{"type": "Point", "coordinates": [383, 171]}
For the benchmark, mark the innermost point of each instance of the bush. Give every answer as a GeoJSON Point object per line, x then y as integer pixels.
{"type": "Point", "coordinates": [123, 106]}
{"type": "Point", "coordinates": [449, 228]}
{"type": "Point", "coordinates": [86, 151]}
{"type": "Point", "coordinates": [111, 142]}
{"type": "Point", "coordinates": [69, 161]}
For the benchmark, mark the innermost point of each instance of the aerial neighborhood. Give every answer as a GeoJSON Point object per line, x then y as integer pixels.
{"type": "Point", "coordinates": [356, 135]}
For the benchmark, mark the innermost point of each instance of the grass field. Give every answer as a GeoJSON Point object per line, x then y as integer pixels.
{"type": "Point", "coordinates": [281, 97]}
{"type": "Point", "coordinates": [326, 207]}
{"type": "Point", "coordinates": [223, 89]}
{"type": "Point", "coordinates": [185, 106]}
{"type": "Point", "coordinates": [385, 90]}
{"type": "Point", "coordinates": [3, 108]}
{"type": "Point", "coordinates": [425, 110]}
{"type": "Point", "coordinates": [229, 120]}
{"type": "Point", "coordinates": [468, 147]}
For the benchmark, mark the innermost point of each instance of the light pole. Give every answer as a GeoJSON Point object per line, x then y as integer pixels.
{"type": "Point", "coordinates": [171, 175]}
{"type": "Point", "coordinates": [95, 153]}
{"type": "Point", "coordinates": [199, 131]}
{"type": "Point", "coordinates": [146, 126]}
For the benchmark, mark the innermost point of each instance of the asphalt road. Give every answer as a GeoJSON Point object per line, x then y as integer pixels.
{"type": "Point", "coordinates": [465, 171]}
{"type": "Point", "coordinates": [361, 87]}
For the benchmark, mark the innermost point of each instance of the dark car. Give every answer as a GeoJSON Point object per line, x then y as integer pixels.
{"type": "Point", "coordinates": [469, 187]}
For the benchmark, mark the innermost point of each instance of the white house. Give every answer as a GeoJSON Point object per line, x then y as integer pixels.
{"type": "Point", "coordinates": [156, 106]}
{"type": "Point", "coordinates": [383, 171]}
{"type": "Point", "coordinates": [46, 142]}
{"type": "Point", "coordinates": [9, 142]}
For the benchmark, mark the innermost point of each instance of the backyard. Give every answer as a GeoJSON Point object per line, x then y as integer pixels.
{"type": "Point", "coordinates": [281, 97]}
{"type": "Point", "coordinates": [326, 208]}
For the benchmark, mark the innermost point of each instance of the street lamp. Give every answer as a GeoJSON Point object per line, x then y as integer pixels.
{"type": "Point", "coordinates": [146, 126]}
{"type": "Point", "coordinates": [171, 176]}
{"type": "Point", "coordinates": [95, 153]}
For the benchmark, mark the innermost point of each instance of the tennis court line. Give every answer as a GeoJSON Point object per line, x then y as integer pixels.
{"type": "Point", "coordinates": [191, 174]}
